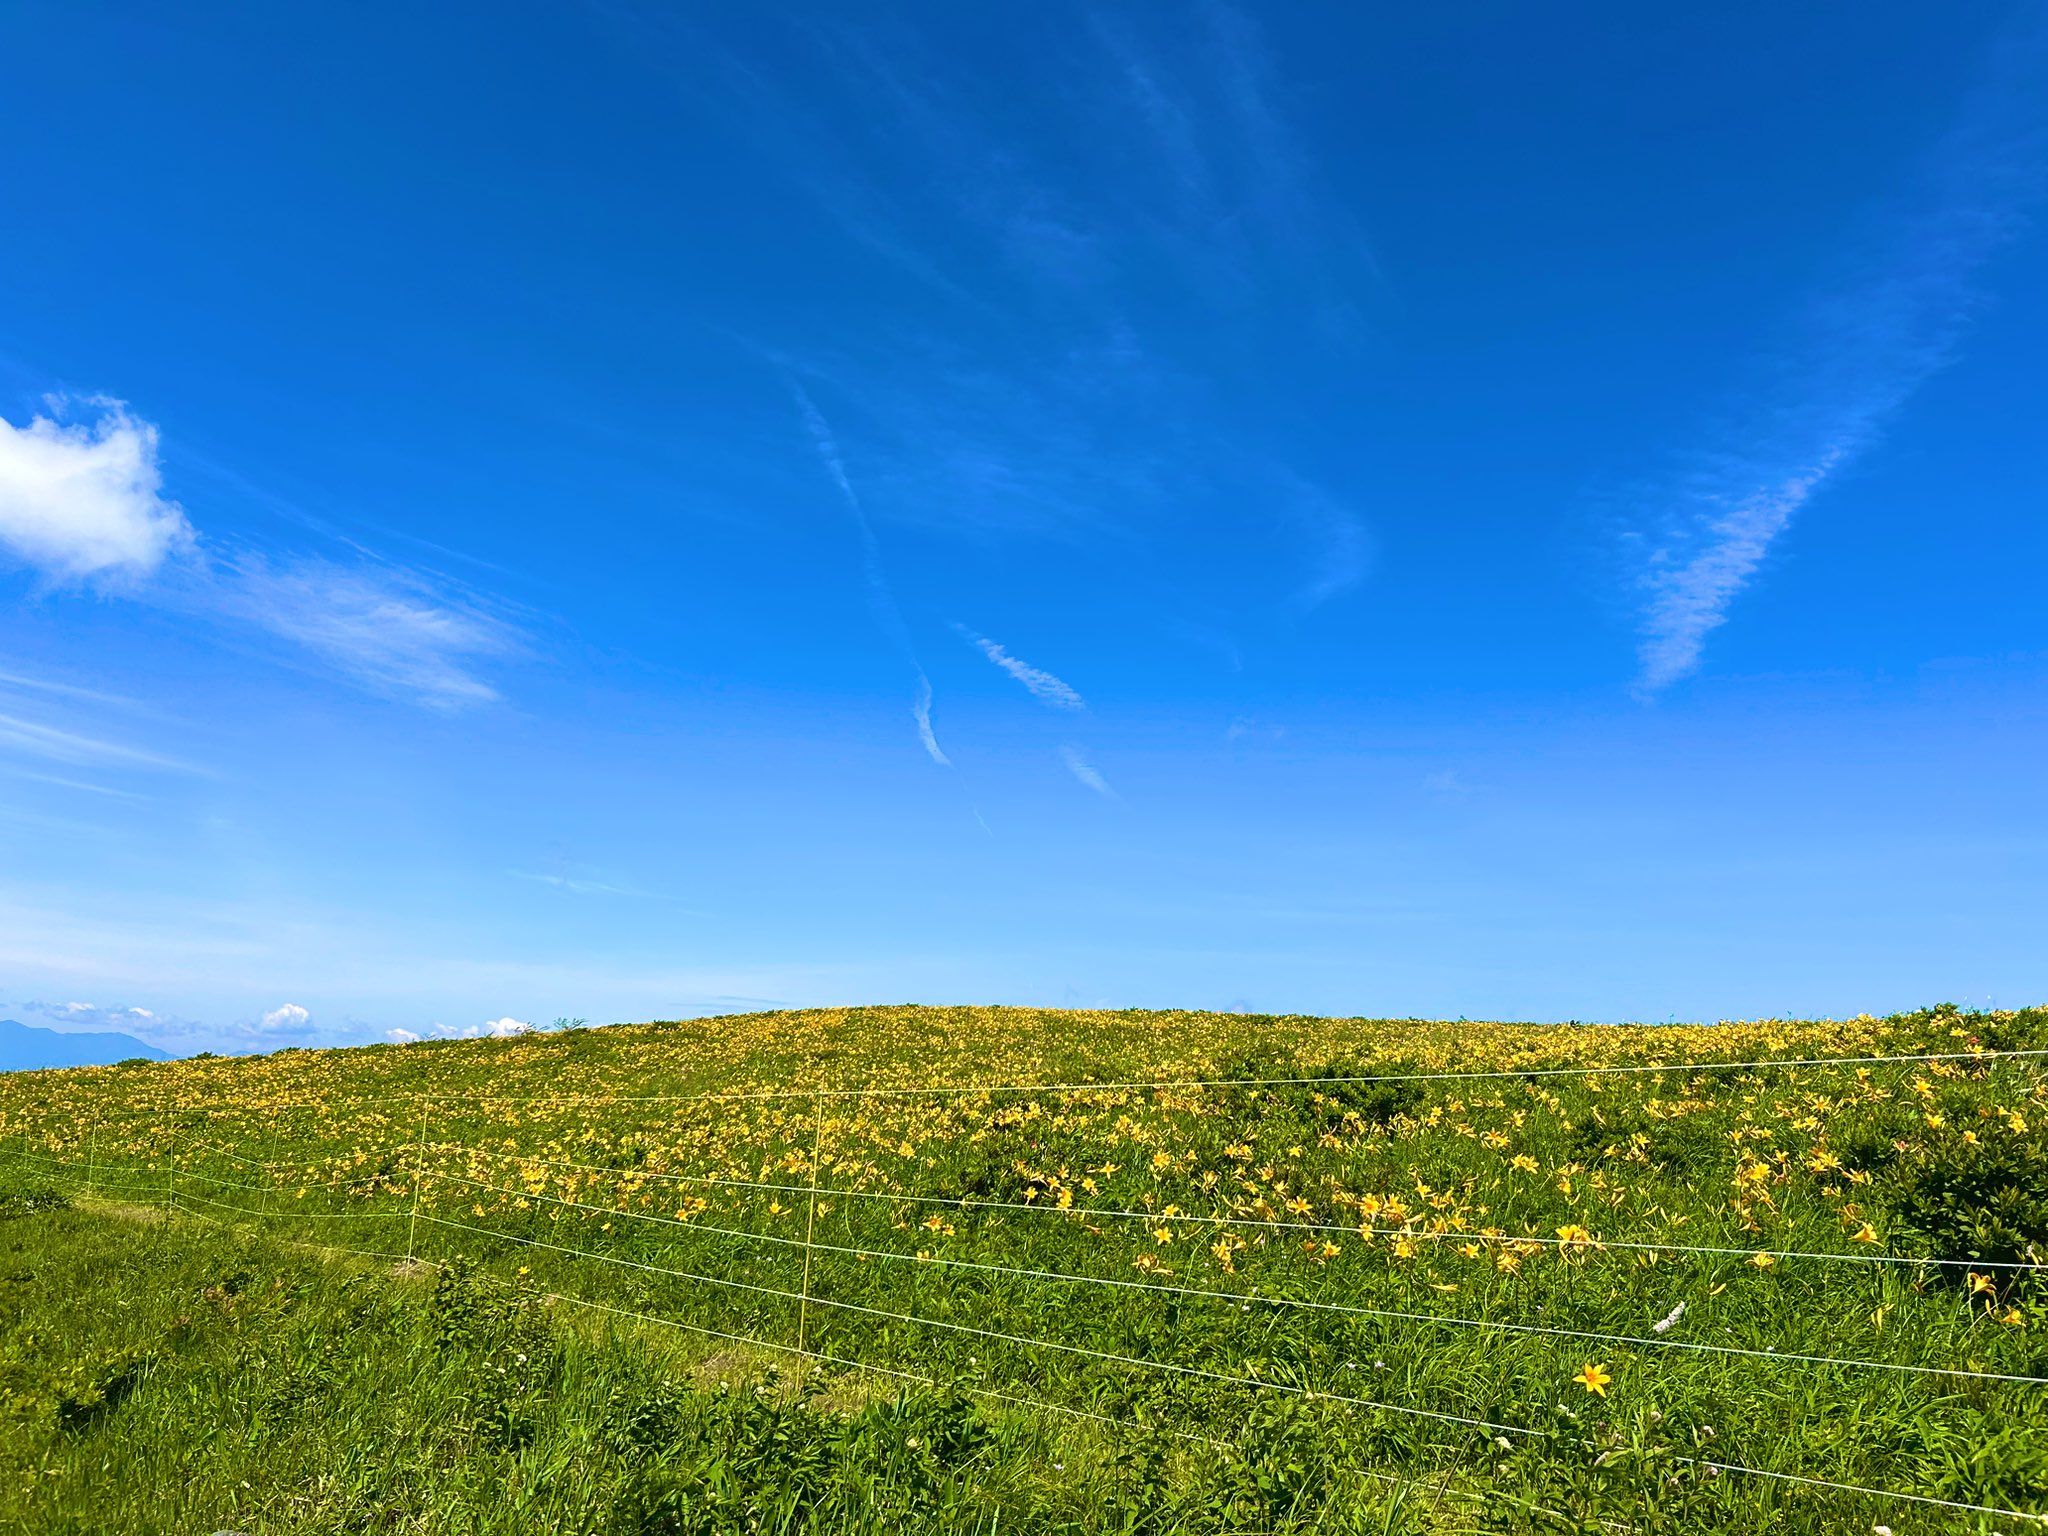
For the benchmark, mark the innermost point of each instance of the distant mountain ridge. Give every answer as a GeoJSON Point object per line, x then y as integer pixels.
{"type": "Point", "coordinates": [26, 1048]}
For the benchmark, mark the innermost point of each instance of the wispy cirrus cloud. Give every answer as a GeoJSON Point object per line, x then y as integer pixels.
{"type": "Point", "coordinates": [1704, 529]}
{"type": "Point", "coordinates": [59, 689]}
{"type": "Point", "coordinates": [1084, 771]}
{"type": "Point", "coordinates": [586, 885]}
{"type": "Point", "coordinates": [1337, 534]}
{"type": "Point", "coordinates": [921, 712]}
{"type": "Point", "coordinates": [1038, 682]}
{"type": "Point", "coordinates": [1240, 195]}
{"type": "Point", "coordinates": [1079, 282]}
{"type": "Point", "coordinates": [34, 738]}
{"type": "Point", "coordinates": [82, 500]}
{"type": "Point", "coordinates": [391, 629]}
{"type": "Point", "coordinates": [881, 596]}
{"type": "Point", "coordinates": [41, 724]}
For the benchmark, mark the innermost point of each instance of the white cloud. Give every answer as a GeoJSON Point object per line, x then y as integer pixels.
{"type": "Point", "coordinates": [1079, 767]}
{"type": "Point", "coordinates": [84, 499]}
{"type": "Point", "coordinates": [491, 1029]}
{"type": "Point", "coordinates": [1041, 685]}
{"type": "Point", "coordinates": [1859, 354]}
{"type": "Point", "coordinates": [1343, 549]}
{"type": "Point", "coordinates": [1692, 580]}
{"type": "Point", "coordinates": [288, 1016]}
{"type": "Point", "coordinates": [35, 739]}
{"type": "Point", "coordinates": [580, 887]}
{"type": "Point", "coordinates": [881, 595]}
{"type": "Point", "coordinates": [90, 1016]}
{"type": "Point", "coordinates": [921, 712]}
{"type": "Point", "coordinates": [390, 628]}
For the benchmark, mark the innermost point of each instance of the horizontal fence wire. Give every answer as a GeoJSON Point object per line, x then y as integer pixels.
{"type": "Point", "coordinates": [988, 1394]}
{"type": "Point", "coordinates": [1143, 1085]}
{"type": "Point", "coordinates": [1256, 1383]}
{"type": "Point", "coordinates": [1360, 1229]}
{"type": "Point", "coordinates": [1009, 1399]}
{"type": "Point", "coordinates": [390, 1102]}
{"type": "Point", "coordinates": [986, 1333]}
{"type": "Point", "coordinates": [183, 1195]}
{"type": "Point", "coordinates": [1248, 1298]}
{"type": "Point", "coordinates": [177, 1198]}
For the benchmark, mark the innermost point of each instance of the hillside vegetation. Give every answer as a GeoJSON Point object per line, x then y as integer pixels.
{"type": "Point", "coordinates": [1017, 1270]}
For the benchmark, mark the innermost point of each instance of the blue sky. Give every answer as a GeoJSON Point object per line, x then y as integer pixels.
{"type": "Point", "coordinates": [621, 512]}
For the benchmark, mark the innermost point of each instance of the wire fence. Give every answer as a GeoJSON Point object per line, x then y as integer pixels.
{"type": "Point", "coordinates": [437, 1201]}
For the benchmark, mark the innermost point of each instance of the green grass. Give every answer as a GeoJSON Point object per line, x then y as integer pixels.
{"type": "Point", "coordinates": [1262, 1305]}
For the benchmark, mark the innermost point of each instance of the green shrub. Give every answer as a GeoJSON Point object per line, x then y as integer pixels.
{"type": "Point", "coordinates": [1976, 1203]}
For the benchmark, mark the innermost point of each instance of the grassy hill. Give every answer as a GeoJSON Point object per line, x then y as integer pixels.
{"type": "Point", "coordinates": [1019, 1270]}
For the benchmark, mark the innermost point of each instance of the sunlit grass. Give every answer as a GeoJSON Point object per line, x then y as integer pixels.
{"type": "Point", "coordinates": [1260, 1273]}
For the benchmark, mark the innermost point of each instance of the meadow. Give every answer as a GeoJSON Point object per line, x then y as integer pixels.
{"type": "Point", "coordinates": [1005, 1269]}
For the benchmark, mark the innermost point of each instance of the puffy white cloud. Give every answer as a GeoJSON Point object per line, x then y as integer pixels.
{"type": "Point", "coordinates": [84, 499]}
{"type": "Point", "coordinates": [288, 1016]}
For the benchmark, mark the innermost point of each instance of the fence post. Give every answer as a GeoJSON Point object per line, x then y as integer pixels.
{"type": "Point", "coordinates": [803, 1306]}
{"type": "Point", "coordinates": [171, 1177]}
{"type": "Point", "coordinates": [92, 1133]}
{"type": "Point", "coordinates": [419, 1165]}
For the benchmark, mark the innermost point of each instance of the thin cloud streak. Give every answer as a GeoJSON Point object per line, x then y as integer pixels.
{"type": "Point", "coordinates": [60, 782]}
{"type": "Point", "coordinates": [20, 680]}
{"type": "Point", "coordinates": [1080, 768]}
{"type": "Point", "coordinates": [387, 628]}
{"type": "Point", "coordinates": [1165, 165]}
{"type": "Point", "coordinates": [1041, 685]}
{"type": "Point", "coordinates": [1864, 351]}
{"type": "Point", "coordinates": [921, 711]}
{"type": "Point", "coordinates": [47, 741]}
{"type": "Point", "coordinates": [1345, 549]}
{"type": "Point", "coordinates": [881, 596]}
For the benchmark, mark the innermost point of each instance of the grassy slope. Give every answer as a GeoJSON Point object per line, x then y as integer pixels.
{"type": "Point", "coordinates": [214, 1370]}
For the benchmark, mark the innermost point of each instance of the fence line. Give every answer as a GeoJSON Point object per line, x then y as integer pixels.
{"type": "Point", "coordinates": [1720, 1467]}
{"type": "Point", "coordinates": [1247, 1297]}
{"type": "Point", "coordinates": [1309, 1394]}
{"type": "Point", "coordinates": [917, 1378]}
{"type": "Point", "coordinates": [990, 1333]}
{"type": "Point", "coordinates": [1242, 1298]}
{"type": "Point", "coordinates": [1822, 1482]}
{"type": "Point", "coordinates": [186, 1194]}
{"type": "Point", "coordinates": [951, 1090]}
{"type": "Point", "coordinates": [1361, 1229]}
